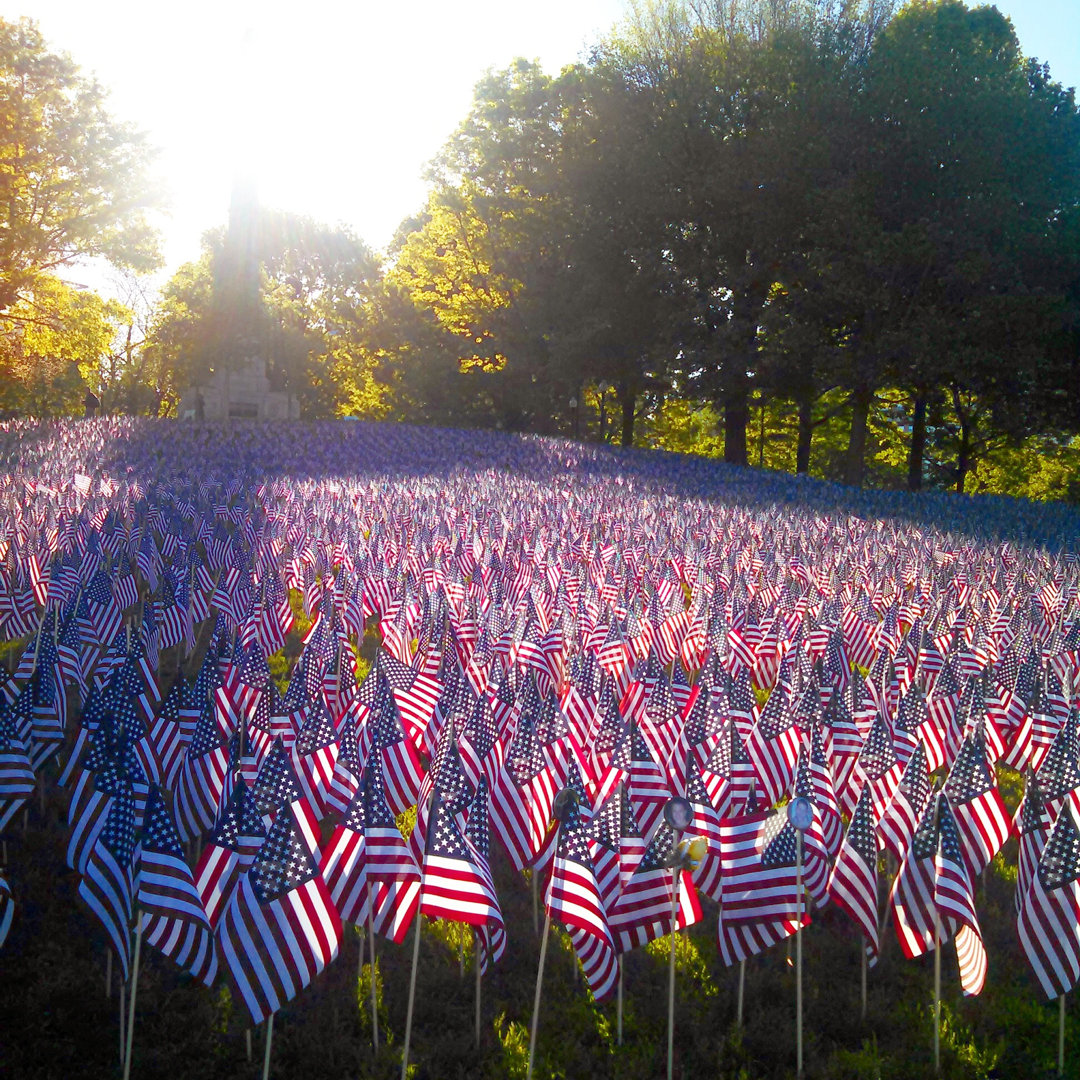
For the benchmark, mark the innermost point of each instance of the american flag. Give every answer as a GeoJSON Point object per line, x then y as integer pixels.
{"type": "Point", "coordinates": [522, 797]}
{"type": "Point", "coordinates": [643, 910]}
{"type": "Point", "coordinates": [729, 773]}
{"type": "Point", "coordinates": [170, 732]}
{"type": "Point", "coordinates": [757, 857]}
{"type": "Point", "coordinates": [347, 768]}
{"type": "Point", "coordinates": [911, 897]}
{"type": "Point", "coordinates": [276, 787]}
{"type": "Point", "coordinates": [390, 864]}
{"type": "Point", "coordinates": [1032, 824]}
{"type": "Point", "coordinates": [281, 928]}
{"type": "Point", "coordinates": [773, 745]}
{"type": "Point", "coordinates": [401, 767]}
{"type": "Point", "coordinates": [955, 900]}
{"type": "Point", "coordinates": [1048, 921]}
{"type": "Point", "coordinates": [573, 898]}
{"type": "Point", "coordinates": [1059, 774]}
{"type": "Point", "coordinates": [102, 615]}
{"type": "Point", "coordinates": [7, 909]}
{"type": "Point", "coordinates": [237, 836]}
{"type": "Point", "coordinates": [108, 883]}
{"type": "Point", "coordinates": [201, 780]}
{"type": "Point", "coordinates": [981, 817]}
{"type": "Point", "coordinates": [344, 863]}
{"type": "Point", "coordinates": [853, 884]}
{"type": "Point", "coordinates": [16, 775]}
{"type": "Point", "coordinates": [314, 756]}
{"type": "Point", "coordinates": [173, 917]}
{"type": "Point", "coordinates": [452, 885]}
{"type": "Point", "coordinates": [907, 807]}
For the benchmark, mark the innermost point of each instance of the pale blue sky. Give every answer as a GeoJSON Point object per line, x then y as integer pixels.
{"type": "Point", "coordinates": [358, 96]}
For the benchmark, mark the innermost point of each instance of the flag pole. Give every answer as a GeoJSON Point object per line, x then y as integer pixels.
{"type": "Point", "coordinates": [269, 1043]}
{"type": "Point", "coordinates": [134, 987]}
{"type": "Point", "coordinates": [620, 998]}
{"type": "Point", "coordinates": [536, 997]}
{"type": "Point", "coordinates": [739, 1000]}
{"type": "Point", "coordinates": [798, 954]}
{"type": "Point", "coordinates": [937, 992]}
{"type": "Point", "coordinates": [122, 1014]}
{"type": "Point", "coordinates": [862, 946]}
{"type": "Point", "coordinates": [535, 901]}
{"type": "Point", "coordinates": [433, 810]}
{"type": "Point", "coordinates": [565, 801]}
{"type": "Point", "coordinates": [1061, 1035]}
{"type": "Point", "coordinates": [676, 872]}
{"type": "Point", "coordinates": [108, 972]}
{"type": "Point", "coordinates": [476, 960]}
{"type": "Point", "coordinates": [678, 814]}
{"type": "Point", "coordinates": [800, 812]}
{"type": "Point", "coordinates": [412, 994]}
{"type": "Point", "coordinates": [374, 1001]}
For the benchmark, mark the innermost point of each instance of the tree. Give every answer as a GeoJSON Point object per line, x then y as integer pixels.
{"type": "Point", "coordinates": [969, 157]}
{"type": "Point", "coordinates": [749, 104]}
{"type": "Point", "coordinates": [306, 310]}
{"type": "Point", "coordinates": [73, 181]}
{"type": "Point", "coordinates": [53, 347]}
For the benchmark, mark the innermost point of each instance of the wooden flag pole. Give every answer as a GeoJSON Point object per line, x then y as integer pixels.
{"type": "Point", "coordinates": [619, 1010]}
{"type": "Point", "coordinates": [360, 954]}
{"type": "Point", "coordinates": [433, 811]}
{"type": "Point", "coordinates": [269, 1043]}
{"type": "Point", "coordinates": [739, 999]}
{"type": "Point", "coordinates": [134, 987]}
{"type": "Point", "coordinates": [535, 901]}
{"type": "Point", "coordinates": [1061, 1035]}
{"type": "Point", "coordinates": [937, 992]}
{"type": "Point", "coordinates": [565, 803]}
{"type": "Point", "coordinates": [862, 946]}
{"type": "Point", "coordinates": [374, 1002]}
{"type": "Point", "coordinates": [536, 997]}
{"type": "Point", "coordinates": [412, 994]}
{"type": "Point", "coordinates": [676, 872]}
{"type": "Point", "coordinates": [798, 953]}
{"type": "Point", "coordinates": [476, 961]}
{"type": "Point", "coordinates": [247, 1042]}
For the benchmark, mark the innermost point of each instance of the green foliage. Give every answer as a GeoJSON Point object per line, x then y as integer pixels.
{"type": "Point", "coordinates": [513, 1037]}
{"type": "Point", "coordinates": [308, 310]}
{"type": "Point", "coordinates": [690, 963]}
{"type": "Point", "coordinates": [406, 821]}
{"type": "Point", "coordinates": [53, 340]}
{"type": "Point", "coordinates": [74, 181]}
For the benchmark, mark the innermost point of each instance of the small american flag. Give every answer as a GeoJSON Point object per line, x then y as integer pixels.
{"type": "Point", "coordinates": [281, 928]}
{"type": "Point", "coordinates": [173, 917]}
{"type": "Point", "coordinates": [237, 836]}
{"type": "Point", "coordinates": [1049, 918]}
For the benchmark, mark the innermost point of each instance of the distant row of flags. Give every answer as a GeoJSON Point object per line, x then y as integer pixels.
{"type": "Point", "coordinates": [627, 641]}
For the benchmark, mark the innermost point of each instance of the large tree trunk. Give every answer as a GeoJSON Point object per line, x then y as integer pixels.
{"type": "Point", "coordinates": [740, 358]}
{"type": "Point", "coordinates": [917, 450]}
{"type": "Point", "coordinates": [736, 417]}
{"type": "Point", "coordinates": [963, 453]}
{"type": "Point", "coordinates": [806, 435]}
{"type": "Point", "coordinates": [855, 463]}
{"type": "Point", "coordinates": [628, 403]}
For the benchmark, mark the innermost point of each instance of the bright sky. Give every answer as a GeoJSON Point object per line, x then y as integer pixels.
{"type": "Point", "coordinates": [356, 97]}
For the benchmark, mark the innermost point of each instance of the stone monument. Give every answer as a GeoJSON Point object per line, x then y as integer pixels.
{"type": "Point", "coordinates": [239, 388]}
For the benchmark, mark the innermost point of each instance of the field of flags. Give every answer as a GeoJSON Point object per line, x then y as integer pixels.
{"type": "Point", "coordinates": [488, 621]}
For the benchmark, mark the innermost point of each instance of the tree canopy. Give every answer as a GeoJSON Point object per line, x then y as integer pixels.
{"type": "Point", "coordinates": [830, 238]}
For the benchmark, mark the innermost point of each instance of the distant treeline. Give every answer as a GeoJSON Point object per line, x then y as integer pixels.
{"type": "Point", "coordinates": [816, 236]}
